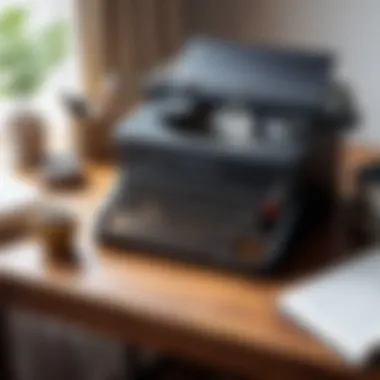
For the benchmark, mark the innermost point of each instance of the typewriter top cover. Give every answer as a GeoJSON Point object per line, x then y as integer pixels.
{"type": "Point", "coordinates": [282, 93]}
{"type": "Point", "coordinates": [273, 79]}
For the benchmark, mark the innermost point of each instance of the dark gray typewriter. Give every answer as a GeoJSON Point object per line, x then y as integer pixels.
{"type": "Point", "coordinates": [233, 149]}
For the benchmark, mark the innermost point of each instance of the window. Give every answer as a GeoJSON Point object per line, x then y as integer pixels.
{"type": "Point", "coordinates": [65, 75]}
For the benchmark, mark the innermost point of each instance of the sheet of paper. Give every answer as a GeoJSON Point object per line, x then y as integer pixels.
{"type": "Point", "coordinates": [341, 306]}
{"type": "Point", "coordinates": [15, 194]}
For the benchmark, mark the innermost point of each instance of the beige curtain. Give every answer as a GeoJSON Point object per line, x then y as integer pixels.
{"type": "Point", "coordinates": [127, 38]}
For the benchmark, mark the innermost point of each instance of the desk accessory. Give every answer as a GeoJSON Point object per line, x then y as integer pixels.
{"type": "Point", "coordinates": [92, 122]}
{"type": "Point", "coordinates": [63, 172]}
{"type": "Point", "coordinates": [55, 230]}
{"type": "Point", "coordinates": [27, 133]}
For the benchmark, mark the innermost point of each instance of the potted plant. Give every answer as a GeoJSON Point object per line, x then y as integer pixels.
{"type": "Point", "coordinates": [27, 59]}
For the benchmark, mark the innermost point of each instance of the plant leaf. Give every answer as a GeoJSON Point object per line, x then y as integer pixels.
{"type": "Point", "coordinates": [13, 35]}
{"type": "Point", "coordinates": [17, 49]}
{"type": "Point", "coordinates": [53, 44]}
{"type": "Point", "coordinates": [27, 59]}
{"type": "Point", "coordinates": [24, 80]}
{"type": "Point", "coordinates": [21, 69]}
{"type": "Point", "coordinates": [13, 20]}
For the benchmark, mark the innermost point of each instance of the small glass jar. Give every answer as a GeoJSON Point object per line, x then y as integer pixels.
{"type": "Point", "coordinates": [56, 230]}
{"type": "Point", "coordinates": [27, 134]}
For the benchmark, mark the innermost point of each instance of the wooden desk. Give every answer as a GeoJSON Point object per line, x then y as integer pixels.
{"type": "Point", "coordinates": [217, 318]}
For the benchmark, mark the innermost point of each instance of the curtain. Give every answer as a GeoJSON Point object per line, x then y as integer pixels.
{"type": "Point", "coordinates": [126, 38]}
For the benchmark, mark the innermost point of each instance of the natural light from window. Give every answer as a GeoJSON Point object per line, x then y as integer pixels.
{"type": "Point", "coordinates": [65, 76]}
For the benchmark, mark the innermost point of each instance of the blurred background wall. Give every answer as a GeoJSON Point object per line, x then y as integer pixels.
{"type": "Point", "coordinates": [349, 27]}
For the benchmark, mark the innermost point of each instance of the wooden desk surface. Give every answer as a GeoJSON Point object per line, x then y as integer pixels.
{"type": "Point", "coordinates": [222, 319]}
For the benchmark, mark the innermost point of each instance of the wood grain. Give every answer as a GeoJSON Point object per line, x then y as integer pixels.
{"type": "Point", "coordinates": [217, 318]}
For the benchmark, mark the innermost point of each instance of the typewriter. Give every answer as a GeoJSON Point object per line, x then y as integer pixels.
{"type": "Point", "coordinates": [232, 151]}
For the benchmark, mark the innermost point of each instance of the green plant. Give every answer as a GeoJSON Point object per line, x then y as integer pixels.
{"type": "Point", "coordinates": [27, 59]}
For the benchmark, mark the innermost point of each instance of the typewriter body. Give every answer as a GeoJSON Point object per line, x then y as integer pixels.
{"type": "Point", "coordinates": [233, 149]}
